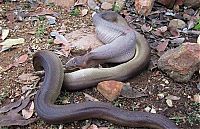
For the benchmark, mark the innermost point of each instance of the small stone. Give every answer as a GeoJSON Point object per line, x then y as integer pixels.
{"type": "Point", "coordinates": [166, 81]}
{"type": "Point", "coordinates": [110, 89]}
{"type": "Point", "coordinates": [181, 63]}
{"type": "Point", "coordinates": [161, 95]}
{"type": "Point", "coordinates": [153, 110]}
{"type": "Point", "coordinates": [196, 98]}
{"type": "Point", "coordinates": [177, 23]}
{"type": "Point", "coordinates": [198, 39]}
{"type": "Point", "coordinates": [147, 109]}
{"type": "Point", "coordinates": [106, 6]}
{"type": "Point", "coordinates": [163, 85]}
{"type": "Point", "coordinates": [169, 103]}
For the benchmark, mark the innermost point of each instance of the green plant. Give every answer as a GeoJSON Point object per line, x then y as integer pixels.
{"type": "Point", "coordinates": [177, 119]}
{"type": "Point", "coordinates": [41, 18]}
{"type": "Point", "coordinates": [116, 7]}
{"type": "Point", "coordinates": [40, 30]}
{"type": "Point", "coordinates": [50, 41]}
{"type": "Point", "coordinates": [194, 116]}
{"type": "Point", "coordinates": [75, 12]}
{"type": "Point", "coordinates": [197, 26]}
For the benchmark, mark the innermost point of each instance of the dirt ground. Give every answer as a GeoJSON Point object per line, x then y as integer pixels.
{"type": "Point", "coordinates": [152, 80]}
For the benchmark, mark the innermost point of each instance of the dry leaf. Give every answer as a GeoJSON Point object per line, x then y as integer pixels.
{"type": "Point", "coordinates": [177, 40]}
{"type": "Point", "coordinates": [163, 29]}
{"type": "Point", "coordinates": [10, 106]}
{"type": "Point", "coordinates": [28, 113]}
{"type": "Point", "coordinates": [22, 106]}
{"type": "Point", "coordinates": [130, 92]}
{"type": "Point", "coordinates": [89, 97]}
{"type": "Point", "coordinates": [162, 46]}
{"type": "Point", "coordinates": [93, 126]}
{"type": "Point", "coordinates": [146, 28]}
{"type": "Point", "coordinates": [63, 3]}
{"type": "Point", "coordinates": [174, 31]}
{"type": "Point", "coordinates": [172, 97]}
{"type": "Point", "coordinates": [25, 89]}
{"type": "Point", "coordinates": [191, 24]}
{"type": "Point", "coordinates": [80, 2]}
{"type": "Point", "coordinates": [20, 60]}
{"type": "Point", "coordinates": [10, 42]}
{"type": "Point", "coordinates": [66, 50]}
{"type": "Point", "coordinates": [28, 77]}
{"type": "Point", "coordinates": [42, 12]}
{"type": "Point", "coordinates": [59, 38]}
{"type": "Point", "coordinates": [4, 34]}
{"type": "Point", "coordinates": [11, 18]}
{"type": "Point", "coordinates": [15, 119]}
{"type": "Point", "coordinates": [158, 33]}
{"type": "Point", "coordinates": [144, 7]}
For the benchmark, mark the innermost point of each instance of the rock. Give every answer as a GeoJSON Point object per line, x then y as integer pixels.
{"type": "Point", "coordinates": [144, 7]}
{"type": "Point", "coordinates": [181, 63]}
{"type": "Point", "coordinates": [110, 89]}
{"type": "Point", "coordinates": [106, 6]}
{"type": "Point", "coordinates": [177, 23]}
{"type": "Point", "coordinates": [192, 3]}
{"type": "Point", "coordinates": [84, 39]}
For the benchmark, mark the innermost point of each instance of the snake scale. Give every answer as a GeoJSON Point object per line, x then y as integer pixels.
{"type": "Point", "coordinates": [55, 79]}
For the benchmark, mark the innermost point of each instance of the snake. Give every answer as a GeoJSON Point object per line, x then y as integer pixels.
{"type": "Point", "coordinates": [55, 79]}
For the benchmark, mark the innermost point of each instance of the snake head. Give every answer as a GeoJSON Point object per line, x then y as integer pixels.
{"type": "Point", "coordinates": [76, 62]}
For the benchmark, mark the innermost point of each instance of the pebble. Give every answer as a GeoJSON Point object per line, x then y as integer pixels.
{"type": "Point", "coordinates": [110, 89]}
{"type": "Point", "coordinates": [177, 23]}
{"type": "Point", "coordinates": [106, 6]}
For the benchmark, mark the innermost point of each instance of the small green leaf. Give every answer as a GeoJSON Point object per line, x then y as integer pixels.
{"type": "Point", "coordinates": [197, 26]}
{"type": "Point", "coordinates": [75, 12]}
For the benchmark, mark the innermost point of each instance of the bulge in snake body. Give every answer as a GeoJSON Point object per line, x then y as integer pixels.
{"type": "Point", "coordinates": [119, 42]}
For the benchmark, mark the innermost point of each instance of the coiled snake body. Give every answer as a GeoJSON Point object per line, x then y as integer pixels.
{"type": "Point", "coordinates": [81, 79]}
